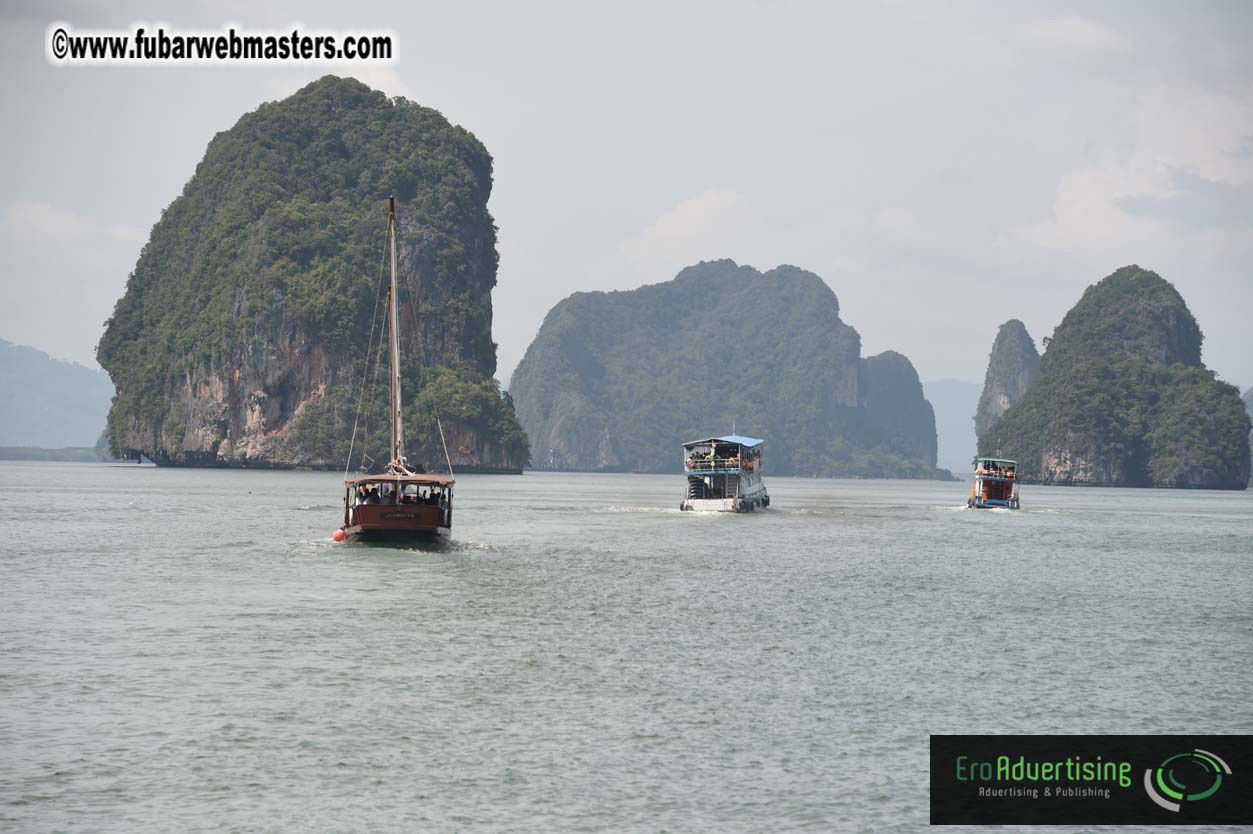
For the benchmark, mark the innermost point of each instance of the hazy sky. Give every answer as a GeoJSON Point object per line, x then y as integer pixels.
{"type": "Point", "coordinates": [943, 167]}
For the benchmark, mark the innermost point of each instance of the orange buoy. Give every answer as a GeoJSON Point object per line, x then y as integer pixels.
{"type": "Point", "coordinates": [339, 535]}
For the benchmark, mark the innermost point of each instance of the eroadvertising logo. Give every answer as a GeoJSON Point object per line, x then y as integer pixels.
{"type": "Point", "coordinates": [1095, 780]}
{"type": "Point", "coordinates": [1195, 776]}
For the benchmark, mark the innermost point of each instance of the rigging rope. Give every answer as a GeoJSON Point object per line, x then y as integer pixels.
{"type": "Point", "coordinates": [365, 371]}
{"type": "Point", "coordinates": [425, 372]}
{"type": "Point", "coordinates": [374, 381]}
{"type": "Point", "coordinates": [370, 380]}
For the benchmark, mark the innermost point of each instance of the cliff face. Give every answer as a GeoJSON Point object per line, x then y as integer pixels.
{"type": "Point", "coordinates": [895, 405]}
{"type": "Point", "coordinates": [617, 381]}
{"type": "Point", "coordinates": [1011, 365]}
{"type": "Point", "coordinates": [243, 337]}
{"type": "Point", "coordinates": [1121, 398]}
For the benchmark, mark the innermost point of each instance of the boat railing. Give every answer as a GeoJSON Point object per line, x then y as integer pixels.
{"type": "Point", "coordinates": [718, 465]}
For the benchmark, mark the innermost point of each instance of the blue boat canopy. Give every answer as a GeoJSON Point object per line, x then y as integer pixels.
{"type": "Point", "coordinates": [738, 439]}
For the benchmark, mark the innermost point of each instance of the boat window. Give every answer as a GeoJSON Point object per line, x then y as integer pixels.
{"type": "Point", "coordinates": [367, 494]}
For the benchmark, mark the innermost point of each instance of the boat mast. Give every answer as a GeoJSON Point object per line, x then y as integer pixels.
{"type": "Point", "coordinates": [396, 428]}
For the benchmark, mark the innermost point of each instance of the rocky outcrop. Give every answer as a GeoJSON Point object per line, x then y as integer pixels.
{"type": "Point", "coordinates": [1121, 398]}
{"type": "Point", "coordinates": [252, 318]}
{"type": "Point", "coordinates": [617, 381]}
{"type": "Point", "coordinates": [1011, 365]}
{"type": "Point", "coordinates": [895, 404]}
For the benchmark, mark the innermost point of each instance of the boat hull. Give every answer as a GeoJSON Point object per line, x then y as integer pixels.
{"type": "Point", "coordinates": [396, 534]}
{"type": "Point", "coordinates": [987, 504]}
{"type": "Point", "coordinates": [742, 504]}
{"type": "Point", "coordinates": [397, 522]}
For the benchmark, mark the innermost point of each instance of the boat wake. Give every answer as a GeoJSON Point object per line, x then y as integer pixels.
{"type": "Point", "coordinates": [665, 510]}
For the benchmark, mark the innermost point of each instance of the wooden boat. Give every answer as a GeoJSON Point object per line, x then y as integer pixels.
{"type": "Point", "coordinates": [394, 506]}
{"type": "Point", "coordinates": [724, 475]}
{"type": "Point", "coordinates": [402, 502]}
{"type": "Point", "coordinates": [996, 484]}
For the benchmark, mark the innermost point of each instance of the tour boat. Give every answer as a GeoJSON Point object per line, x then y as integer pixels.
{"type": "Point", "coordinates": [403, 502]}
{"type": "Point", "coordinates": [996, 484]}
{"type": "Point", "coordinates": [724, 475]}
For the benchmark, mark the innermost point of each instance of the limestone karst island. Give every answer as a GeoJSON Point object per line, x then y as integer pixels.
{"type": "Point", "coordinates": [242, 337]}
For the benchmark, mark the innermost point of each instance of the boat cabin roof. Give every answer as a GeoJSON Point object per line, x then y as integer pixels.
{"type": "Point", "coordinates": [997, 460]}
{"type": "Point", "coordinates": [737, 439]}
{"type": "Point", "coordinates": [423, 480]}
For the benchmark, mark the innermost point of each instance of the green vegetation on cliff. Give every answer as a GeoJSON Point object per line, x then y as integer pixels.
{"type": "Point", "coordinates": [1248, 407]}
{"type": "Point", "coordinates": [1121, 397]}
{"type": "Point", "coordinates": [242, 335]}
{"type": "Point", "coordinates": [616, 381]}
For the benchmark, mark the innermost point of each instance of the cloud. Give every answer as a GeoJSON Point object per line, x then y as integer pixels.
{"type": "Point", "coordinates": [380, 77]}
{"type": "Point", "coordinates": [974, 49]}
{"type": "Point", "coordinates": [1180, 140]}
{"type": "Point", "coordinates": [38, 219]}
{"type": "Point", "coordinates": [695, 228]}
{"type": "Point", "coordinates": [1074, 32]}
{"type": "Point", "coordinates": [1204, 133]}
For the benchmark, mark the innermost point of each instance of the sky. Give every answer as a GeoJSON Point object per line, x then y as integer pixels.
{"type": "Point", "coordinates": [942, 166]}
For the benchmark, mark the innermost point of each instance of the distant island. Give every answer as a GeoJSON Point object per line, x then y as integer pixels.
{"type": "Point", "coordinates": [48, 403]}
{"type": "Point", "coordinates": [242, 337]}
{"type": "Point", "coordinates": [1121, 398]}
{"type": "Point", "coordinates": [617, 381]}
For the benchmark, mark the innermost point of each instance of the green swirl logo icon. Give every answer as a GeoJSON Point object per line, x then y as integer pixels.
{"type": "Point", "coordinates": [1185, 777]}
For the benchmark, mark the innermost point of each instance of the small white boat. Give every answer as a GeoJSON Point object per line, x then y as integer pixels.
{"type": "Point", "coordinates": [724, 475]}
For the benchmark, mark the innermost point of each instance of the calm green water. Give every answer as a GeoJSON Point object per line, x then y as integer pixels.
{"type": "Point", "coordinates": [188, 651]}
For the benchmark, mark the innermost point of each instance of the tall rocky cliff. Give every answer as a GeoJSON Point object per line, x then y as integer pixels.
{"type": "Point", "coordinates": [1011, 365]}
{"type": "Point", "coordinates": [243, 336]}
{"type": "Point", "coordinates": [1121, 398]}
{"type": "Point", "coordinates": [617, 381]}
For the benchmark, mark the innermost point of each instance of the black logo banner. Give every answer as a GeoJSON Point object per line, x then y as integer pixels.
{"type": "Point", "coordinates": [1094, 780]}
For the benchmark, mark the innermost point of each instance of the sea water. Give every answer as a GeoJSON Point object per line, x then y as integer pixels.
{"type": "Point", "coordinates": [188, 651]}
